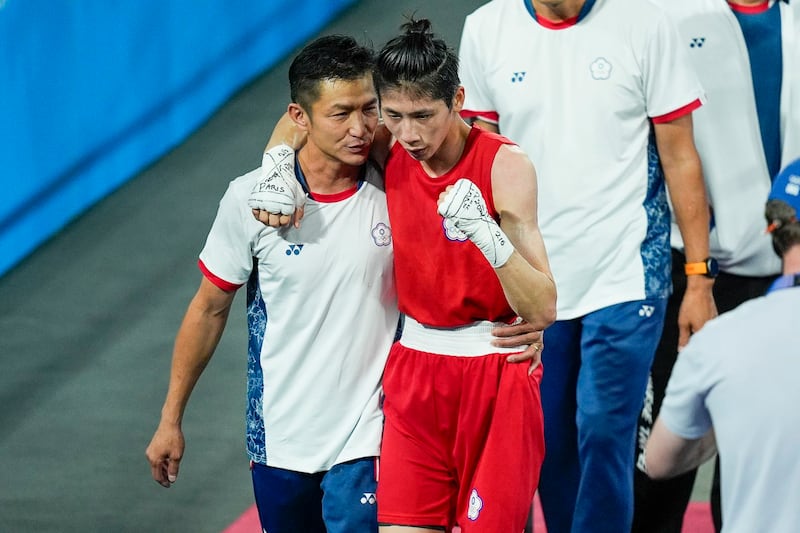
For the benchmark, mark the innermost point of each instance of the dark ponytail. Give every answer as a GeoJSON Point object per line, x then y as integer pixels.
{"type": "Point", "coordinates": [418, 63]}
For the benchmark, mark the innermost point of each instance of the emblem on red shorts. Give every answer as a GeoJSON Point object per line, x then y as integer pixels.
{"type": "Point", "coordinates": [475, 505]}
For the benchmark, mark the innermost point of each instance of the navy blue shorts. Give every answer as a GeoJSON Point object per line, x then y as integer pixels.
{"type": "Point", "coordinates": [340, 500]}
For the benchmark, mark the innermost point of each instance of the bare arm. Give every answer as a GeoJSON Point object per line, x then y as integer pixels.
{"type": "Point", "coordinates": [195, 343]}
{"type": "Point", "coordinates": [287, 132]}
{"type": "Point", "coordinates": [526, 277]}
{"type": "Point", "coordinates": [668, 455]}
{"type": "Point", "coordinates": [684, 177]}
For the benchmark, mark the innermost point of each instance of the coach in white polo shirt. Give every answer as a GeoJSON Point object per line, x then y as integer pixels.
{"type": "Point", "coordinates": [600, 95]}
{"type": "Point", "coordinates": [734, 388]}
{"type": "Point", "coordinates": [321, 310]}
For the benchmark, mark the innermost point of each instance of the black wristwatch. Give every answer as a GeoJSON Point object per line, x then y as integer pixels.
{"type": "Point", "coordinates": [708, 268]}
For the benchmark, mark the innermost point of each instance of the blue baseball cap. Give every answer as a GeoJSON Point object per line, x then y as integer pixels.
{"type": "Point", "coordinates": [786, 186]}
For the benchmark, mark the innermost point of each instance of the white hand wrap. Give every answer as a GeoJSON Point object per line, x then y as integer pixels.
{"type": "Point", "coordinates": [277, 190]}
{"type": "Point", "coordinates": [465, 207]}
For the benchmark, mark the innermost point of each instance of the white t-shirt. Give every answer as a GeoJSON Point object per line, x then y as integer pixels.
{"type": "Point", "coordinates": [578, 101]}
{"type": "Point", "coordinates": [322, 314]}
{"type": "Point", "coordinates": [727, 132]}
{"type": "Point", "coordinates": [740, 373]}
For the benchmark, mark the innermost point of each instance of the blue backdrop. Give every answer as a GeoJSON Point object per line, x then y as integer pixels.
{"type": "Point", "coordinates": [91, 91]}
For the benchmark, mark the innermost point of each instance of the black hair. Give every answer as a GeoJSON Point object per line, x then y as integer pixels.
{"type": "Point", "coordinates": [333, 57]}
{"type": "Point", "coordinates": [418, 63]}
{"type": "Point", "coordinates": [783, 225]}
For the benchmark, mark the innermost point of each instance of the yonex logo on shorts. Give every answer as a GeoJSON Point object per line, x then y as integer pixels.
{"type": "Point", "coordinates": [294, 249]}
{"type": "Point", "coordinates": [646, 311]}
{"type": "Point", "coordinates": [368, 498]}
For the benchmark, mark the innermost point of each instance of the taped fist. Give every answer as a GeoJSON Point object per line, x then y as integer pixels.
{"type": "Point", "coordinates": [463, 205]}
{"type": "Point", "coordinates": [277, 195]}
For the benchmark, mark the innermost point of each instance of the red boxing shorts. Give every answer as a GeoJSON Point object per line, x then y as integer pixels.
{"type": "Point", "coordinates": [463, 440]}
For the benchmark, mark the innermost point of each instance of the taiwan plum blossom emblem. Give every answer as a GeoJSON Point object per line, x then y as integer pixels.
{"type": "Point", "coordinates": [382, 234]}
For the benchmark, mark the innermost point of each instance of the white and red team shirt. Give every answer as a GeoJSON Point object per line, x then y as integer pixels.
{"type": "Point", "coordinates": [726, 129]}
{"type": "Point", "coordinates": [322, 315]}
{"type": "Point", "coordinates": [579, 100]}
{"type": "Point", "coordinates": [443, 279]}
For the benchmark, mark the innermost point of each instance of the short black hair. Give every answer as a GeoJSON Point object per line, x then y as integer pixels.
{"type": "Point", "coordinates": [419, 63]}
{"type": "Point", "coordinates": [333, 57]}
{"type": "Point", "coordinates": [783, 225]}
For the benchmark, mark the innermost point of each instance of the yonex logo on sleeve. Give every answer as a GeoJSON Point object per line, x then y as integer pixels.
{"type": "Point", "coordinates": [697, 42]}
{"type": "Point", "coordinates": [368, 498]}
{"type": "Point", "coordinates": [518, 77]}
{"type": "Point", "coordinates": [646, 311]}
{"type": "Point", "coordinates": [294, 249]}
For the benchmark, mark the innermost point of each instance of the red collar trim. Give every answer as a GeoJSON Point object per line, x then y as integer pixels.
{"type": "Point", "coordinates": [552, 25]}
{"type": "Point", "coordinates": [749, 10]}
{"type": "Point", "coordinates": [335, 197]}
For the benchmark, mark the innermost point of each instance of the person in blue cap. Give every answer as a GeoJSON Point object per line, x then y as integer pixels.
{"type": "Point", "coordinates": [734, 389]}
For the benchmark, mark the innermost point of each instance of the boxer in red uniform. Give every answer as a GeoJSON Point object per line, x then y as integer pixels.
{"type": "Point", "coordinates": [463, 438]}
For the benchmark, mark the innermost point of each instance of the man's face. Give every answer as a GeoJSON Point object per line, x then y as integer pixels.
{"type": "Point", "coordinates": [342, 121]}
{"type": "Point", "coordinates": [419, 124]}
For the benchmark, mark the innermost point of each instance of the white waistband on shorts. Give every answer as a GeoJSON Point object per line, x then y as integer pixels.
{"type": "Point", "coordinates": [470, 340]}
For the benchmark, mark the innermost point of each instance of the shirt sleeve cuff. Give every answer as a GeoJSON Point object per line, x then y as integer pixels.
{"type": "Point", "coordinates": [219, 282]}
{"type": "Point", "coordinates": [678, 113]}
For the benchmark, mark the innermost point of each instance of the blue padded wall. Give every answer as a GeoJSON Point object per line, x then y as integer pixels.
{"type": "Point", "coordinates": [92, 91]}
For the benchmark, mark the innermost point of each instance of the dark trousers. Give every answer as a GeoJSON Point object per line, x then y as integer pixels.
{"type": "Point", "coordinates": [659, 506]}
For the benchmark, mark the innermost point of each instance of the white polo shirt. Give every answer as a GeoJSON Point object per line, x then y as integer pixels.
{"type": "Point", "coordinates": [578, 100]}
{"type": "Point", "coordinates": [727, 130]}
{"type": "Point", "coordinates": [322, 314]}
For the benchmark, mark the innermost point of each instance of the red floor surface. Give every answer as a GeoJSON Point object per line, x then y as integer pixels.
{"type": "Point", "coordinates": [696, 520]}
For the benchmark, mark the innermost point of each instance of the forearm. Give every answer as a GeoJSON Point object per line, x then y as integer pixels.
{"type": "Point", "coordinates": [690, 206]}
{"type": "Point", "coordinates": [667, 455]}
{"type": "Point", "coordinates": [195, 343]}
{"type": "Point", "coordinates": [286, 132]}
{"type": "Point", "coordinates": [684, 176]}
{"type": "Point", "coordinates": [530, 292]}
{"type": "Point", "coordinates": [683, 173]}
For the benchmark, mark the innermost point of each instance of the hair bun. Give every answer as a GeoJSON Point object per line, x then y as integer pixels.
{"type": "Point", "coordinates": [417, 27]}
